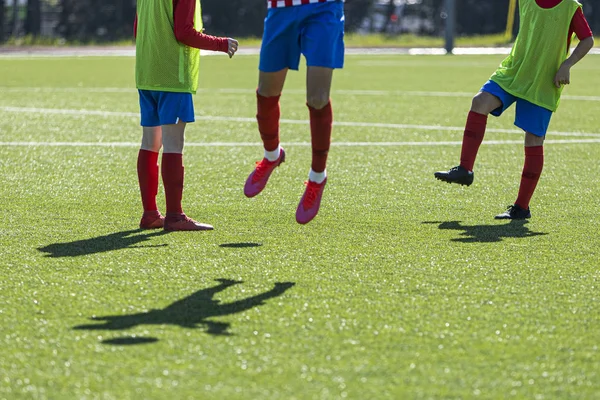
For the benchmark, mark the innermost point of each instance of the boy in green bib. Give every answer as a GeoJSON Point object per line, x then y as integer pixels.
{"type": "Point", "coordinates": [532, 76]}
{"type": "Point", "coordinates": [168, 42]}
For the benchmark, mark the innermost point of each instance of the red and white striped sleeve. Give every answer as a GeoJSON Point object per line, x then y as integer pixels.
{"type": "Point", "coordinates": [291, 3]}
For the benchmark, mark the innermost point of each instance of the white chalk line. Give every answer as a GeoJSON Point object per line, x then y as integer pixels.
{"type": "Point", "coordinates": [129, 51]}
{"type": "Point", "coordinates": [289, 144]}
{"type": "Point", "coordinates": [347, 92]}
{"type": "Point", "coordinates": [213, 118]}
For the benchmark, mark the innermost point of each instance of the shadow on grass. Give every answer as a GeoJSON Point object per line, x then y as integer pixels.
{"type": "Point", "coordinates": [240, 245]}
{"type": "Point", "coordinates": [189, 312]}
{"type": "Point", "coordinates": [127, 341]}
{"type": "Point", "coordinates": [101, 244]}
{"type": "Point", "coordinates": [488, 233]}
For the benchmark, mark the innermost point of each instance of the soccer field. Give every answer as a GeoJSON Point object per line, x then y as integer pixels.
{"type": "Point", "coordinates": [403, 287]}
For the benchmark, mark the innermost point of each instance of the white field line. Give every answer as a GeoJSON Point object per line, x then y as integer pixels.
{"type": "Point", "coordinates": [102, 113]}
{"type": "Point", "coordinates": [129, 51]}
{"type": "Point", "coordinates": [290, 144]}
{"type": "Point", "coordinates": [374, 93]}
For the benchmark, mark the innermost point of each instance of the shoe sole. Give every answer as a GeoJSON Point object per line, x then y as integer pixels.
{"type": "Point", "coordinates": [302, 222]}
{"type": "Point", "coordinates": [151, 227]}
{"type": "Point", "coordinates": [203, 227]}
{"type": "Point", "coordinates": [189, 230]}
{"type": "Point", "coordinates": [516, 219]}
{"type": "Point", "coordinates": [449, 181]}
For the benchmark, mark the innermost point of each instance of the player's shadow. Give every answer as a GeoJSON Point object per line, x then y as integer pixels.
{"type": "Point", "coordinates": [242, 245]}
{"type": "Point", "coordinates": [101, 244]}
{"type": "Point", "coordinates": [190, 312]}
{"type": "Point", "coordinates": [488, 233]}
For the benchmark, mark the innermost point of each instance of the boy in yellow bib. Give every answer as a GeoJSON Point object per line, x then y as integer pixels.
{"type": "Point", "coordinates": [533, 76]}
{"type": "Point", "coordinates": [168, 42]}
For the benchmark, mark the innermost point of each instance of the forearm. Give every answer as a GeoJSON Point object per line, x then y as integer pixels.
{"type": "Point", "coordinates": [190, 37]}
{"type": "Point", "coordinates": [580, 51]}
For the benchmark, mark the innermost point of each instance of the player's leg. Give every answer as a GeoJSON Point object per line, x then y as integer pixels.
{"type": "Point", "coordinates": [279, 53]}
{"type": "Point", "coordinates": [534, 120]}
{"type": "Point", "coordinates": [147, 162]}
{"type": "Point", "coordinates": [318, 87]}
{"type": "Point", "coordinates": [318, 91]}
{"type": "Point", "coordinates": [172, 169]}
{"type": "Point", "coordinates": [491, 99]}
{"type": "Point", "coordinates": [483, 104]}
{"type": "Point", "coordinates": [268, 111]}
{"type": "Point", "coordinates": [323, 47]}
{"type": "Point", "coordinates": [176, 110]}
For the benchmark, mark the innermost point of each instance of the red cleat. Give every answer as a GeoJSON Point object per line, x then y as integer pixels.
{"type": "Point", "coordinates": [152, 220]}
{"type": "Point", "coordinates": [258, 179]}
{"type": "Point", "coordinates": [181, 222]}
{"type": "Point", "coordinates": [310, 202]}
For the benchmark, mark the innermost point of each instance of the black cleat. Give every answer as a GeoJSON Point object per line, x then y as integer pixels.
{"type": "Point", "coordinates": [514, 212]}
{"type": "Point", "coordinates": [458, 175]}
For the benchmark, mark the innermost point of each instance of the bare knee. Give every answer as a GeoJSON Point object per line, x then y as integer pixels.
{"type": "Point", "coordinates": [318, 100]}
{"type": "Point", "coordinates": [318, 86]}
{"type": "Point", "coordinates": [266, 90]}
{"type": "Point", "coordinates": [152, 139]}
{"type": "Point", "coordinates": [270, 84]}
{"type": "Point", "coordinates": [174, 138]}
{"type": "Point", "coordinates": [484, 103]}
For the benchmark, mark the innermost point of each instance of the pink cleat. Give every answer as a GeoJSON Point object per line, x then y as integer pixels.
{"type": "Point", "coordinates": [310, 202]}
{"type": "Point", "coordinates": [152, 220]}
{"type": "Point", "coordinates": [258, 179]}
{"type": "Point", "coordinates": [181, 222]}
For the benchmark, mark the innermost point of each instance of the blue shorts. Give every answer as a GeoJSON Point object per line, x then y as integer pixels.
{"type": "Point", "coordinates": [315, 30]}
{"type": "Point", "coordinates": [165, 108]}
{"type": "Point", "coordinates": [528, 116]}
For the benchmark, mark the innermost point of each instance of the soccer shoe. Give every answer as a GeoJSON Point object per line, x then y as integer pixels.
{"type": "Point", "coordinates": [310, 202]}
{"type": "Point", "coordinates": [514, 212]}
{"type": "Point", "coordinates": [152, 220]}
{"type": "Point", "coordinates": [458, 175]}
{"type": "Point", "coordinates": [258, 179]}
{"type": "Point", "coordinates": [182, 222]}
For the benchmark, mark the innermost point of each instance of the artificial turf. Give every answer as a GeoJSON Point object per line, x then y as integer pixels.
{"type": "Point", "coordinates": [403, 287]}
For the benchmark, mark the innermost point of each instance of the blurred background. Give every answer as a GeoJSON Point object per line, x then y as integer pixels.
{"type": "Point", "coordinates": [110, 21]}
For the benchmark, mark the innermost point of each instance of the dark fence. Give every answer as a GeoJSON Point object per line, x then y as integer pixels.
{"type": "Point", "coordinates": [104, 21]}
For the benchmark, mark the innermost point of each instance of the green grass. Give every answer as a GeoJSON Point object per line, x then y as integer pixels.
{"type": "Point", "coordinates": [403, 287]}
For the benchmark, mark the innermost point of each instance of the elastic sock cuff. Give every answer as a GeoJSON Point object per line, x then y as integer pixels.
{"type": "Point", "coordinates": [319, 112]}
{"type": "Point", "coordinates": [534, 151]}
{"type": "Point", "coordinates": [271, 100]}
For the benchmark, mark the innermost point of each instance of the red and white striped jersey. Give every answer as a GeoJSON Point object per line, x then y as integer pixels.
{"type": "Point", "coordinates": [290, 3]}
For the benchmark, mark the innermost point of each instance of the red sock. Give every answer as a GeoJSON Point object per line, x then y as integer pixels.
{"type": "Point", "coordinates": [472, 138]}
{"type": "Point", "coordinates": [321, 122]}
{"type": "Point", "coordinates": [172, 175]}
{"type": "Point", "coordinates": [147, 169]}
{"type": "Point", "coordinates": [267, 115]}
{"type": "Point", "coordinates": [534, 163]}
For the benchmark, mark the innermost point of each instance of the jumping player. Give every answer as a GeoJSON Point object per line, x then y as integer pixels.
{"type": "Point", "coordinates": [533, 76]}
{"type": "Point", "coordinates": [314, 28]}
{"type": "Point", "coordinates": [168, 42]}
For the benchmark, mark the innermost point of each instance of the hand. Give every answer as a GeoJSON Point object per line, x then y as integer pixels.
{"type": "Point", "coordinates": [233, 47]}
{"type": "Point", "coordinates": [563, 76]}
